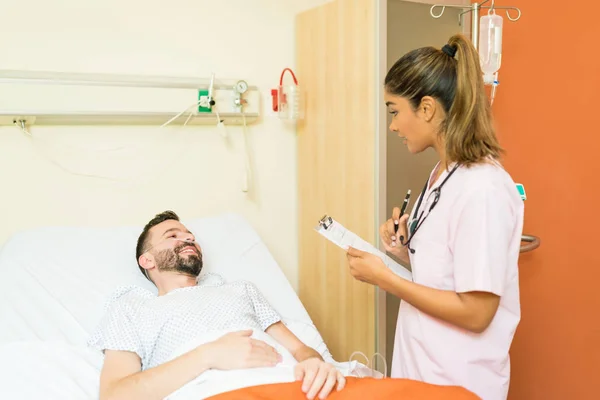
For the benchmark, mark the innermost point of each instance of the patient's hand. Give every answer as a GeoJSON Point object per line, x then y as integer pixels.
{"type": "Point", "coordinates": [237, 350]}
{"type": "Point", "coordinates": [318, 377]}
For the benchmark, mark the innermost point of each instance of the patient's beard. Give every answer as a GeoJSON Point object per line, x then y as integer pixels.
{"type": "Point", "coordinates": [170, 261]}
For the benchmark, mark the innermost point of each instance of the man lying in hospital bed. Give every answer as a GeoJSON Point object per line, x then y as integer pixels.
{"type": "Point", "coordinates": [154, 345]}
{"type": "Point", "coordinates": [57, 281]}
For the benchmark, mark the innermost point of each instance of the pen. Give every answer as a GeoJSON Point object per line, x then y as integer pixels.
{"type": "Point", "coordinates": [404, 205]}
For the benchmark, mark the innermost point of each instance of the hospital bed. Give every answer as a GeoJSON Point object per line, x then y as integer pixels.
{"type": "Point", "coordinates": [55, 281]}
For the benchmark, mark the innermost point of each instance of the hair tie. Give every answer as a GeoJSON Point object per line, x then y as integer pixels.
{"type": "Point", "coordinates": [450, 50]}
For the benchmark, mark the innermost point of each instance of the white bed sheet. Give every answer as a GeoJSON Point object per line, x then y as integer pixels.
{"type": "Point", "coordinates": [56, 280]}
{"type": "Point", "coordinates": [56, 370]}
{"type": "Point", "coordinates": [50, 370]}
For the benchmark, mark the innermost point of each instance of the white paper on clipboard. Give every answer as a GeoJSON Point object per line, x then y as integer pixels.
{"type": "Point", "coordinates": [344, 238]}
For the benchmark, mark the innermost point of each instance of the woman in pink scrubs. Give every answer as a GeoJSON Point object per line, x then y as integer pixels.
{"type": "Point", "coordinates": [459, 313]}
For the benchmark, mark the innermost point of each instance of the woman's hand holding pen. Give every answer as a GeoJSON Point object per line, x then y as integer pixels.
{"type": "Point", "coordinates": [393, 233]}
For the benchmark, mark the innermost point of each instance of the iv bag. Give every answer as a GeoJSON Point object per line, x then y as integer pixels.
{"type": "Point", "coordinates": [490, 43]}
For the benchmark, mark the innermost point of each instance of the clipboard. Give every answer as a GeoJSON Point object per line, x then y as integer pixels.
{"type": "Point", "coordinates": [344, 238]}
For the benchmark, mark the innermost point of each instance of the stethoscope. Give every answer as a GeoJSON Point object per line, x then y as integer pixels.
{"type": "Point", "coordinates": [416, 223]}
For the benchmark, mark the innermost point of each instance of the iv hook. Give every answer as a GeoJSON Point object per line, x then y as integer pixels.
{"type": "Point", "coordinates": [492, 10]}
{"type": "Point", "coordinates": [441, 12]}
{"type": "Point", "coordinates": [508, 14]}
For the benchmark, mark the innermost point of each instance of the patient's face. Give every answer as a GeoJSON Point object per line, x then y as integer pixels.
{"type": "Point", "coordinates": [171, 251]}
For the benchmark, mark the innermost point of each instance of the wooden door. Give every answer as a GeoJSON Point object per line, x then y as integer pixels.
{"type": "Point", "coordinates": [336, 65]}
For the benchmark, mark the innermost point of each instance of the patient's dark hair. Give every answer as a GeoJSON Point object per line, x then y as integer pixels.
{"type": "Point", "coordinates": [142, 243]}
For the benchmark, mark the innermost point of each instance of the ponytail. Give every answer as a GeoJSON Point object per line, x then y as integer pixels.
{"type": "Point", "coordinates": [453, 76]}
{"type": "Point", "coordinates": [469, 132]}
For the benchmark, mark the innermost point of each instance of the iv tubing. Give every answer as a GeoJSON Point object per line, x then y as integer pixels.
{"type": "Point", "coordinates": [291, 72]}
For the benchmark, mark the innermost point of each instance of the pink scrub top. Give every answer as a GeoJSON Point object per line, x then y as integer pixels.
{"type": "Point", "coordinates": [469, 242]}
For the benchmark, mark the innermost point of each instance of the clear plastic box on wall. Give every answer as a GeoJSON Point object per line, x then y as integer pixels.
{"type": "Point", "coordinates": [288, 100]}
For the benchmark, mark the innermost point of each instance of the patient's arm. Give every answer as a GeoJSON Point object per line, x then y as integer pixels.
{"type": "Point", "coordinates": [283, 335]}
{"type": "Point", "coordinates": [122, 376]}
{"type": "Point", "coordinates": [317, 376]}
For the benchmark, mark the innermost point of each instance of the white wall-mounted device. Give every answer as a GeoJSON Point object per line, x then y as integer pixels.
{"type": "Point", "coordinates": [56, 98]}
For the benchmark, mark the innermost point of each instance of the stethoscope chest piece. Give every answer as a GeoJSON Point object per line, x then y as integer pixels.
{"type": "Point", "coordinates": [418, 220]}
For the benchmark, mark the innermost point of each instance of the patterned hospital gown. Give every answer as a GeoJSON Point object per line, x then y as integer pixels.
{"type": "Point", "coordinates": [155, 326]}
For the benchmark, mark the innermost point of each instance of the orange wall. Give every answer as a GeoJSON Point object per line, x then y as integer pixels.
{"type": "Point", "coordinates": [548, 109]}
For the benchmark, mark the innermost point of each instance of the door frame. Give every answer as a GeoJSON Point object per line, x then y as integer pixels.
{"type": "Point", "coordinates": [380, 168]}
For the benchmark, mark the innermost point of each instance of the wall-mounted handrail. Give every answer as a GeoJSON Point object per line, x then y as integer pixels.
{"type": "Point", "coordinates": [533, 242]}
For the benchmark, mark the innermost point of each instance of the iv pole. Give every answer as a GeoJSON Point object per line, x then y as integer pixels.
{"type": "Point", "coordinates": [533, 242]}
{"type": "Point", "coordinates": [474, 8]}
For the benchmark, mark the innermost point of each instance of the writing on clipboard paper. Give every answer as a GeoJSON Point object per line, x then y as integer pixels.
{"type": "Point", "coordinates": [344, 238]}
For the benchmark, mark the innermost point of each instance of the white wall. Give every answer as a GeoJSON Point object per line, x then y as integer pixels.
{"type": "Point", "coordinates": [193, 170]}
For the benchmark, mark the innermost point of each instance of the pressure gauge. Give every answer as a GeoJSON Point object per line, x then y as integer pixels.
{"type": "Point", "coordinates": [241, 87]}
